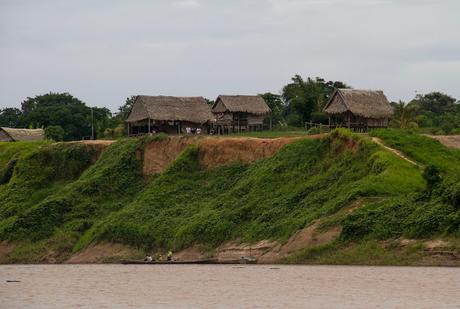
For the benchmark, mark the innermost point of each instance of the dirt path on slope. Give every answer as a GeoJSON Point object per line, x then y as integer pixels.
{"type": "Point", "coordinates": [379, 142]}
{"type": "Point", "coordinates": [451, 141]}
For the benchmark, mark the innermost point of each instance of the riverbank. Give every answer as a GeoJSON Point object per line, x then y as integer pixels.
{"type": "Point", "coordinates": [323, 199]}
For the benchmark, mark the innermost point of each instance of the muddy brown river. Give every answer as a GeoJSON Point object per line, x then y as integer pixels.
{"type": "Point", "coordinates": [227, 286]}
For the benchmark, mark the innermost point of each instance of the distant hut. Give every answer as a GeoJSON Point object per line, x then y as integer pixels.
{"type": "Point", "coordinates": [172, 115]}
{"type": "Point", "coordinates": [236, 113]}
{"type": "Point", "coordinates": [15, 135]}
{"type": "Point", "coordinates": [358, 109]}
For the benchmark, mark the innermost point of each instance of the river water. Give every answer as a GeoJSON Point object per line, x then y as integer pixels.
{"type": "Point", "coordinates": [227, 286]}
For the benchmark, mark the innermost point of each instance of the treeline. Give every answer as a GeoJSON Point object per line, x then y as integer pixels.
{"type": "Point", "coordinates": [65, 117]}
{"type": "Point", "coordinates": [435, 111]}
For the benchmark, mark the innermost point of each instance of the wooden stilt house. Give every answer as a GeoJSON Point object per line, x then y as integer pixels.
{"type": "Point", "coordinates": [172, 115]}
{"type": "Point", "coordinates": [359, 110]}
{"type": "Point", "coordinates": [237, 113]}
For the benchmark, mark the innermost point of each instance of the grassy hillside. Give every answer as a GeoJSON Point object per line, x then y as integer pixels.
{"type": "Point", "coordinates": [421, 214]}
{"type": "Point", "coordinates": [58, 200]}
{"type": "Point", "coordinates": [270, 199]}
{"type": "Point", "coordinates": [9, 154]}
{"type": "Point", "coordinates": [422, 149]}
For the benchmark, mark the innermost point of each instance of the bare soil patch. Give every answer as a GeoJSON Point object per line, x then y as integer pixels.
{"type": "Point", "coordinates": [452, 141]}
{"type": "Point", "coordinates": [272, 251]}
{"type": "Point", "coordinates": [102, 252]}
{"type": "Point", "coordinates": [97, 145]}
{"type": "Point", "coordinates": [214, 151]}
{"type": "Point", "coordinates": [159, 154]}
{"type": "Point", "coordinates": [5, 249]}
{"type": "Point", "coordinates": [192, 253]}
{"type": "Point", "coordinates": [220, 151]}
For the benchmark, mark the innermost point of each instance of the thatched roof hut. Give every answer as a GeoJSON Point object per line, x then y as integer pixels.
{"type": "Point", "coordinates": [252, 104]}
{"type": "Point", "coordinates": [13, 135]}
{"type": "Point", "coordinates": [167, 108]}
{"type": "Point", "coordinates": [236, 113]}
{"type": "Point", "coordinates": [365, 103]}
{"type": "Point", "coordinates": [359, 108]}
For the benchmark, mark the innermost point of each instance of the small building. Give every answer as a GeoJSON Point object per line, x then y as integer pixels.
{"type": "Point", "coordinates": [172, 115]}
{"type": "Point", "coordinates": [359, 110]}
{"type": "Point", "coordinates": [236, 113]}
{"type": "Point", "coordinates": [16, 135]}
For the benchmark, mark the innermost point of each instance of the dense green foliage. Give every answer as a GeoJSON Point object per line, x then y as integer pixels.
{"type": "Point", "coordinates": [435, 211]}
{"type": "Point", "coordinates": [436, 111]}
{"type": "Point", "coordinates": [59, 109]}
{"type": "Point", "coordinates": [422, 149]}
{"type": "Point", "coordinates": [57, 197]}
{"type": "Point", "coordinates": [305, 99]}
{"type": "Point", "coordinates": [10, 117]}
{"type": "Point", "coordinates": [41, 199]}
{"type": "Point", "coordinates": [269, 199]}
{"type": "Point", "coordinates": [55, 133]}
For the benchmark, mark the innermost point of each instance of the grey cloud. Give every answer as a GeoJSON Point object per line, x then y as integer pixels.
{"type": "Point", "coordinates": [104, 51]}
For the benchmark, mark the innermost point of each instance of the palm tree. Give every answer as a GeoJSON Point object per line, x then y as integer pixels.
{"type": "Point", "coordinates": [404, 117]}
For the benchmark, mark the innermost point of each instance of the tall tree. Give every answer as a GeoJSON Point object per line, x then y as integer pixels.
{"type": "Point", "coordinates": [58, 109]}
{"type": "Point", "coordinates": [436, 102]}
{"type": "Point", "coordinates": [303, 97]}
{"type": "Point", "coordinates": [10, 117]}
{"type": "Point", "coordinates": [404, 115]}
{"type": "Point", "coordinates": [437, 110]}
{"type": "Point", "coordinates": [277, 106]}
{"type": "Point", "coordinates": [123, 111]}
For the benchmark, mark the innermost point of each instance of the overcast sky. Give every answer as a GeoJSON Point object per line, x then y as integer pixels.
{"type": "Point", "coordinates": [103, 51]}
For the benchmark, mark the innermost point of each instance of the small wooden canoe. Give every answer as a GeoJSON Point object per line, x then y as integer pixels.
{"type": "Point", "coordinates": [208, 261]}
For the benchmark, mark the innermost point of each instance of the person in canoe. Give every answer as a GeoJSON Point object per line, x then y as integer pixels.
{"type": "Point", "coordinates": [148, 258]}
{"type": "Point", "coordinates": [169, 256]}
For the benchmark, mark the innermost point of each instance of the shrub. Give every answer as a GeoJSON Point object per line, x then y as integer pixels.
{"type": "Point", "coordinates": [55, 133]}
{"type": "Point", "coordinates": [432, 177]}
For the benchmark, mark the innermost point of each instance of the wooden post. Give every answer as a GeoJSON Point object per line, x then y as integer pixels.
{"type": "Point", "coordinates": [149, 127]}
{"type": "Point", "coordinates": [128, 130]}
{"type": "Point", "coordinates": [271, 124]}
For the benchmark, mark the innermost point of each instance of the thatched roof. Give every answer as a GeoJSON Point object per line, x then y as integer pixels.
{"type": "Point", "coordinates": [253, 104]}
{"type": "Point", "coordinates": [193, 109]}
{"type": "Point", "coordinates": [24, 134]}
{"type": "Point", "coordinates": [364, 103]}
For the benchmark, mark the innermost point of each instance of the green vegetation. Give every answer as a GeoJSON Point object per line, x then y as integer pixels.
{"type": "Point", "coordinates": [434, 112]}
{"type": "Point", "coordinates": [422, 149]}
{"type": "Point", "coordinates": [270, 199]}
{"type": "Point", "coordinates": [435, 211]}
{"type": "Point", "coordinates": [368, 252]}
{"type": "Point", "coordinates": [58, 199]}
{"type": "Point", "coordinates": [54, 133]}
{"type": "Point", "coordinates": [68, 117]}
{"type": "Point", "coordinates": [65, 117]}
{"type": "Point", "coordinates": [9, 150]}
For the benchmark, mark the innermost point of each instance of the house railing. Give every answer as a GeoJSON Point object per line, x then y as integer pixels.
{"type": "Point", "coordinates": [355, 126]}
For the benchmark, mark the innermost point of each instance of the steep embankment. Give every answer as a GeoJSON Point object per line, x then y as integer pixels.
{"type": "Point", "coordinates": [328, 199]}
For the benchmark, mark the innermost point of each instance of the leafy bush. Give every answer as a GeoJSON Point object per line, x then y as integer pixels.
{"type": "Point", "coordinates": [55, 133]}
{"type": "Point", "coordinates": [271, 198]}
{"type": "Point", "coordinates": [431, 176]}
